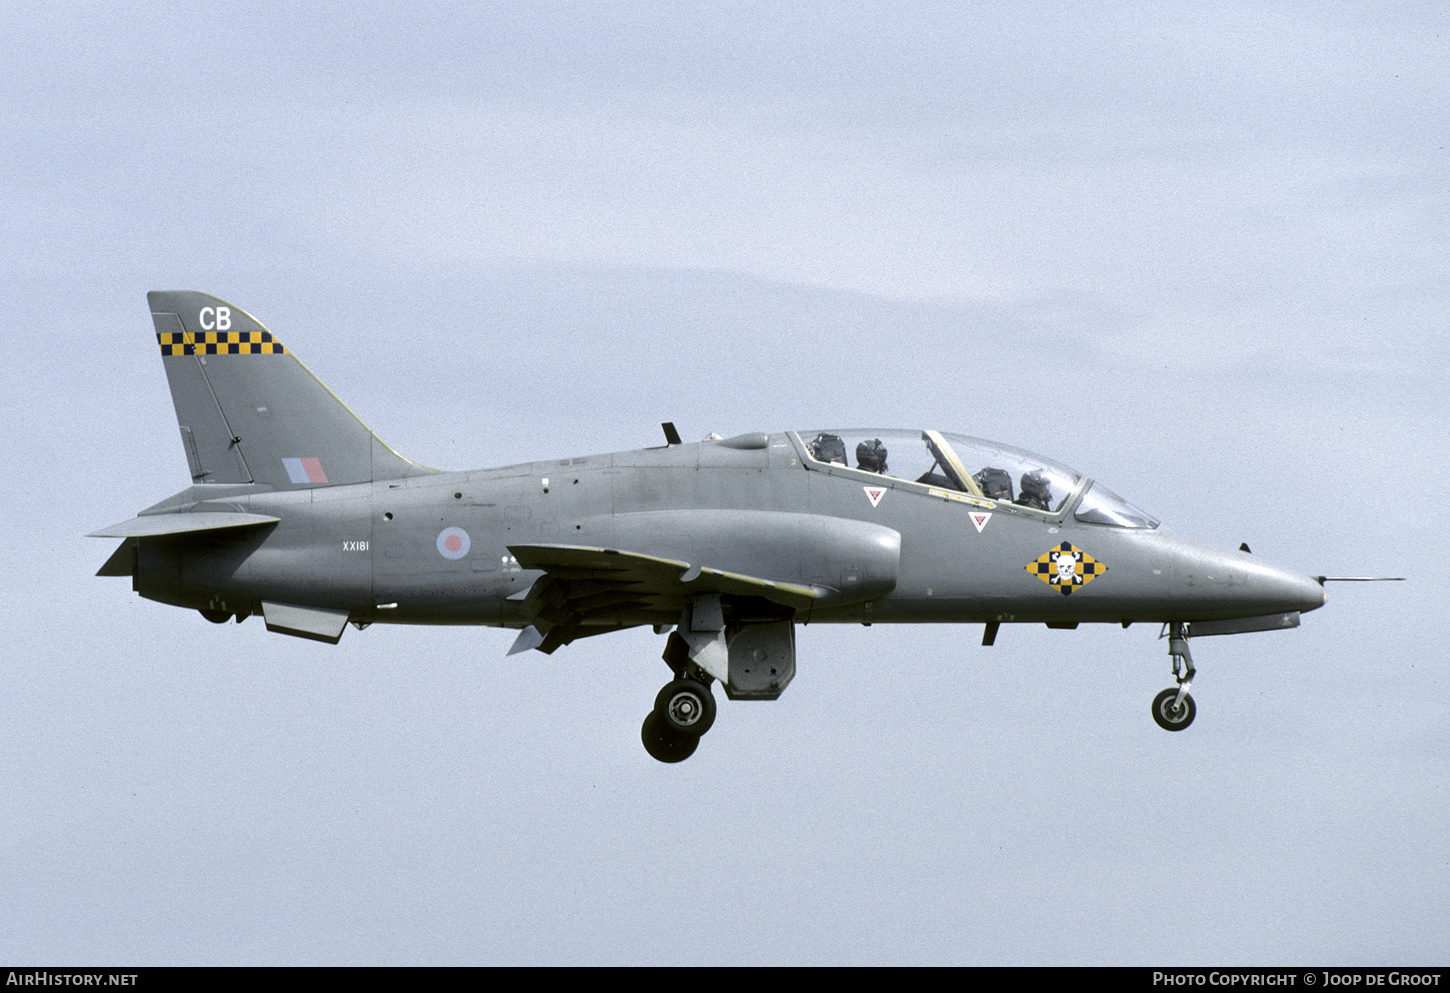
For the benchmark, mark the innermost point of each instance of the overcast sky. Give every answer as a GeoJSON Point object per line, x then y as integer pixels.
{"type": "Point", "coordinates": [1200, 256]}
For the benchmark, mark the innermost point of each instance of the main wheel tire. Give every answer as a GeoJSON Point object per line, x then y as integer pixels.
{"type": "Point", "coordinates": [216, 616]}
{"type": "Point", "coordinates": [1169, 718]}
{"type": "Point", "coordinates": [663, 742]}
{"type": "Point", "coordinates": [687, 706]}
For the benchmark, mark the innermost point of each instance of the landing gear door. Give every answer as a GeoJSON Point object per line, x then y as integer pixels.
{"type": "Point", "coordinates": [762, 660]}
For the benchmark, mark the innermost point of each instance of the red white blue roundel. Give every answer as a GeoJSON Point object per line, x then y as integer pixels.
{"type": "Point", "coordinates": [453, 543]}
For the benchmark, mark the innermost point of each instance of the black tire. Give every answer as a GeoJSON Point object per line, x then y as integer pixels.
{"type": "Point", "coordinates": [1169, 719]}
{"type": "Point", "coordinates": [664, 743]}
{"type": "Point", "coordinates": [687, 706]}
{"type": "Point", "coordinates": [216, 616]}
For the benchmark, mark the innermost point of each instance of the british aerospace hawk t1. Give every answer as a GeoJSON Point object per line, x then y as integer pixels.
{"type": "Point", "coordinates": [298, 513]}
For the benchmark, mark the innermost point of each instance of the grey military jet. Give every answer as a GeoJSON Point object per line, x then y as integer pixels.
{"type": "Point", "coordinates": [299, 513]}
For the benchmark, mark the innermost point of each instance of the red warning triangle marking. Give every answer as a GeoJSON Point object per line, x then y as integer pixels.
{"type": "Point", "coordinates": [980, 520]}
{"type": "Point", "coordinates": [874, 493]}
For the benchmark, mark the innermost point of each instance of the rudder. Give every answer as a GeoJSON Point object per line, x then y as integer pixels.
{"type": "Point", "coordinates": [249, 411]}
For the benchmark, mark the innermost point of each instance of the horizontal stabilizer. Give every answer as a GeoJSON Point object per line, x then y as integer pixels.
{"type": "Point", "coordinates": [156, 525]}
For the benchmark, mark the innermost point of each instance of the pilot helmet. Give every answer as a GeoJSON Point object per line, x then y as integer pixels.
{"type": "Point", "coordinates": [828, 448]}
{"type": "Point", "coordinates": [1035, 490]}
{"type": "Point", "coordinates": [871, 455]}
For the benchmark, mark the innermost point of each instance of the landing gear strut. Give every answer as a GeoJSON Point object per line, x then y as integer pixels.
{"type": "Point", "coordinates": [684, 708]}
{"type": "Point", "coordinates": [1173, 709]}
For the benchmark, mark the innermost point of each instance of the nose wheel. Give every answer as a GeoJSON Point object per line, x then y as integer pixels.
{"type": "Point", "coordinates": [1171, 713]}
{"type": "Point", "coordinates": [1173, 709]}
{"type": "Point", "coordinates": [684, 710]}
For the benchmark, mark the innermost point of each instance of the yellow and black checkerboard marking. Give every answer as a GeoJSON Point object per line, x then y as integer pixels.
{"type": "Point", "coordinates": [220, 343]}
{"type": "Point", "coordinates": [1066, 567]}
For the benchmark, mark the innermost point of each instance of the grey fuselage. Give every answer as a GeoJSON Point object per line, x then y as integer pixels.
{"type": "Point", "coordinates": [438, 548]}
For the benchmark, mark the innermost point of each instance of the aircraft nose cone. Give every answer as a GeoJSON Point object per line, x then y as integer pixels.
{"type": "Point", "coordinates": [1288, 590]}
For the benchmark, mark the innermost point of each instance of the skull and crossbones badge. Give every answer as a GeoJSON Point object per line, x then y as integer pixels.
{"type": "Point", "coordinates": [1066, 567]}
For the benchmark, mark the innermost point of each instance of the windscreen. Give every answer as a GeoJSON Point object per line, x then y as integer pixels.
{"type": "Point", "coordinates": [1100, 505]}
{"type": "Point", "coordinates": [950, 462]}
{"type": "Point", "coordinates": [1012, 475]}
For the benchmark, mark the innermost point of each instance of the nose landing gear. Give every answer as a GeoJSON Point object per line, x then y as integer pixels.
{"type": "Point", "coordinates": [1170, 714]}
{"type": "Point", "coordinates": [1173, 709]}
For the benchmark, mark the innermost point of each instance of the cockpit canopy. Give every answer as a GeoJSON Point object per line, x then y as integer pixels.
{"type": "Point", "coordinates": [979, 469]}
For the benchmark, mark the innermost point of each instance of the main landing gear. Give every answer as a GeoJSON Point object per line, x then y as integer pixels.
{"type": "Point", "coordinates": [1173, 709]}
{"type": "Point", "coordinates": [684, 710]}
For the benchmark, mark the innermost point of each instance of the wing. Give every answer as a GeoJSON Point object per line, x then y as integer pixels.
{"type": "Point", "coordinates": [586, 591]}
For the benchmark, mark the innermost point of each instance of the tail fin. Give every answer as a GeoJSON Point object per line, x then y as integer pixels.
{"type": "Point", "coordinates": [250, 412]}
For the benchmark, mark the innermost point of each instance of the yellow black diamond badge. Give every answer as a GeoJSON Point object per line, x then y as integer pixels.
{"type": "Point", "coordinates": [1066, 567]}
